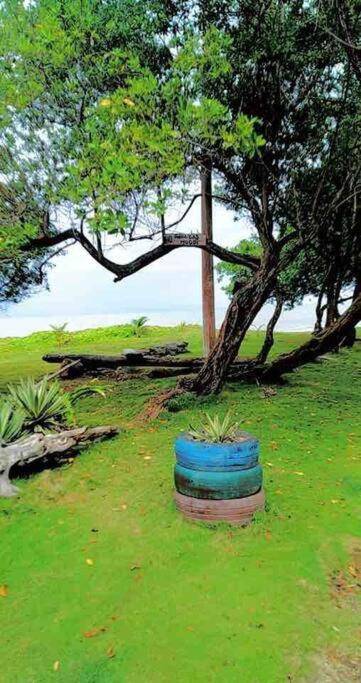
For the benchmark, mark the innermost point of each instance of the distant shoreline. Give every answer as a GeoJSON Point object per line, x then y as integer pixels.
{"type": "Point", "coordinates": [25, 326]}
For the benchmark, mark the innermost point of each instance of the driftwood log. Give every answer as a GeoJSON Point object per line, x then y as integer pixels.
{"type": "Point", "coordinates": [75, 365]}
{"type": "Point", "coordinates": [170, 349]}
{"type": "Point", "coordinates": [126, 366]}
{"type": "Point", "coordinates": [37, 446]}
{"type": "Point", "coordinates": [91, 362]}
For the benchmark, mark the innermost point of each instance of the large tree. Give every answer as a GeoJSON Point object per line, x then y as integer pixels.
{"type": "Point", "coordinates": [99, 124]}
{"type": "Point", "coordinates": [286, 72]}
{"type": "Point", "coordinates": [110, 109]}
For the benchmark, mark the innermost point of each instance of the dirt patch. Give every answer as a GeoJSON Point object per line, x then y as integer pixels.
{"type": "Point", "coordinates": [346, 583]}
{"type": "Point", "coordinates": [333, 667]}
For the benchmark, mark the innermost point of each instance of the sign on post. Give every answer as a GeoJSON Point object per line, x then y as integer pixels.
{"type": "Point", "coordinates": [184, 239]}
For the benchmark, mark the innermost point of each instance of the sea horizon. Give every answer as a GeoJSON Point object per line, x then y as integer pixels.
{"type": "Point", "coordinates": [300, 319]}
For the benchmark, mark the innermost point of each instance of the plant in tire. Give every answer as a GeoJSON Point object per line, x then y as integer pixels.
{"type": "Point", "coordinates": [217, 474]}
{"type": "Point", "coordinates": [217, 461]}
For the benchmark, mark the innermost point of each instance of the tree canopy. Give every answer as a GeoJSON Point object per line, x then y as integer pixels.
{"type": "Point", "coordinates": [111, 109]}
{"type": "Point", "coordinates": [101, 119]}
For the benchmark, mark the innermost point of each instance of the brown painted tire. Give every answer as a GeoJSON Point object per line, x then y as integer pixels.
{"type": "Point", "coordinates": [234, 511]}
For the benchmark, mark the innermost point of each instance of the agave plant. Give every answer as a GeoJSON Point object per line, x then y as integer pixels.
{"type": "Point", "coordinates": [11, 424]}
{"type": "Point", "coordinates": [44, 405]}
{"type": "Point", "coordinates": [215, 430]}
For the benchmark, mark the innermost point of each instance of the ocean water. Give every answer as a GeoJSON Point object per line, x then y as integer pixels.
{"type": "Point", "coordinates": [300, 318]}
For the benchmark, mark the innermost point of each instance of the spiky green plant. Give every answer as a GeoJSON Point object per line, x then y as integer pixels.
{"type": "Point", "coordinates": [138, 325]}
{"type": "Point", "coordinates": [182, 325]}
{"type": "Point", "coordinates": [215, 430]}
{"type": "Point", "coordinates": [11, 424]}
{"type": "Point", "coordinates": [59, 328]}
{"type": "Point", "coordinates": [60, 333]}
{"type": "Point", "coordinates": [44, 404]}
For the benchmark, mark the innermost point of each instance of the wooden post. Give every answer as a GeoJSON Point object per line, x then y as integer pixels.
{"type": "Point", "coordinates": [209, 322]}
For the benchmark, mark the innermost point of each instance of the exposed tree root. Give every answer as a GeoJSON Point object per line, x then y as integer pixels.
{"type": "Point", "coordinates": [159, 402]}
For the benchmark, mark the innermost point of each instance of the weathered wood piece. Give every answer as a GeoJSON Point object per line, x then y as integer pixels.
{"type": "Point", "coordinates": [170, 349]}
{"type": "Point", "coordinates": [38, 446]}
{"type": "Point", "coordinates": [74, 365]}
{"type": "Point", "coordinates": [91, 362]}
{"type": "Point", "coordinates": [163, 373]}
{"type": "Point", "coordinates": [68, 370]}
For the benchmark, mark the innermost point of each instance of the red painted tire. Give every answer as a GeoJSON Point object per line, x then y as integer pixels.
{"type": "Point", "coordinates": [234, 511]}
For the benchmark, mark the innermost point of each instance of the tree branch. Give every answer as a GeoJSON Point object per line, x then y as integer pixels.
{"type": "Point", "coordinates": [251, 262]}
{"type": "Point", "coordinates": [43, 241]}
{"type": "Point", "coordinates": [172, 225]}
{"type": "Point", "coordinates": [122, 271]}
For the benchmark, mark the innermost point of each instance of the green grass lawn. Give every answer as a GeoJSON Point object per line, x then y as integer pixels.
{"type": "Point", "coordinates": [107, 583]}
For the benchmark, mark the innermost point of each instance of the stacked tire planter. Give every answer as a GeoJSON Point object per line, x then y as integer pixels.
{"type": "Point", "coordinates": [218, 481]}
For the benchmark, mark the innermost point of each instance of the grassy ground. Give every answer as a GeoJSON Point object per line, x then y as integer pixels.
{"type": "Point", "coordinates": [107, 583]}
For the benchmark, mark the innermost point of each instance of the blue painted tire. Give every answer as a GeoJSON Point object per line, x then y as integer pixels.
{"type": "Point", "coordinates": [217, 485]}
{"type": "Point", "coordinates": [221, 457]}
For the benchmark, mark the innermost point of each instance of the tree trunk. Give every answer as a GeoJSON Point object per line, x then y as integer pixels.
{"type": "Point", "coordinates": [250, 370]}
{"type": "Point", "coordinates": [331, 308]}
{"type": "Point", "coordinates": [269, 338]}
{"type": "Point", "coordinates": [319, 312]}
{"type": "Point", "coordinates": [245, 305]}
{"type": "Point", "coordinates": [350, 337]}
{"type": "Point", "coordinates": [327, 341]}
{"type": "Point", "coordinates": [332, 296]}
